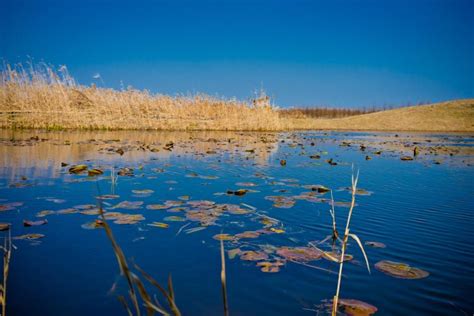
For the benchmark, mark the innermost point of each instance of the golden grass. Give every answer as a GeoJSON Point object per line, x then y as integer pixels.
{"type": "Point", "coordinates": [37, 96]}
{"type": "Point", "coordinates": [42, 98]}
{"type": "Point", "coordinates": [451, 116]}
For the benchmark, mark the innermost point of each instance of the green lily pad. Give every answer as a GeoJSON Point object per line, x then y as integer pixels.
{"type": "Point", "coordinates": [29, 237]}
{"type": "Point", "coordinates": [129, 205]}
{"type": "Point", "coordinates": [76, 169]}
{"type": "Point", "coordinates": [174, 219]}
{"type": "Point", "coordinates": [223, 237]}
{"type": "Point", "coordinates": [159, 225]}
{"type": "Point", "coordinates": [400, 270]}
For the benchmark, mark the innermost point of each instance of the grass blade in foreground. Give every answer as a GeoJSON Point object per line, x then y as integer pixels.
{"type": "Point", "coordinates": [344, 244]}
{"type": "Point", "coordinates": [223, 281]}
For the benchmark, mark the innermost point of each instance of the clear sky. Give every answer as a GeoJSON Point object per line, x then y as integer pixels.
{"type": "Point", "coordinates": [339, 53]}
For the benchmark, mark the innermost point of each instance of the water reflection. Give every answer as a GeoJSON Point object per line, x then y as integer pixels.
{"type": "Point", "coordinates": [40, 153]}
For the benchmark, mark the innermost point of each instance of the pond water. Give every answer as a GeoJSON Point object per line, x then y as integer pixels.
{"type": "Point", "coordinates": [421, 210]}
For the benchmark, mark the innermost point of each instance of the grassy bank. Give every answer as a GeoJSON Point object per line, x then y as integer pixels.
{"type": "Point", "coordinates": [39, 97]}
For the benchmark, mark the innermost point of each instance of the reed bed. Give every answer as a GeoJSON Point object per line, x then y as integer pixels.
{"type": "Point", "coordinates": [39, 96]}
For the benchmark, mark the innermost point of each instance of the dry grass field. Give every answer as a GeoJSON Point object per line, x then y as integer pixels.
{"type": "Point", "coordinates": [40, 97]}
{"type": "Point", "coordinates": [451, 116]}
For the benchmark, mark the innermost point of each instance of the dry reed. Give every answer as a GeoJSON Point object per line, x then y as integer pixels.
{"type": "Point", "coordinates": [223, 281]}
{"type": "Point", "coordinates": [37, 96]}
{"type": "Point", "coordinates": [7, 252]}
{"type": "Point", "coordinates": [347, 234]}
{"type": "Point", "coordinates": [135, 284]}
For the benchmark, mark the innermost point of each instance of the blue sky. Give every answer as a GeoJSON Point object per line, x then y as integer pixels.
{"type": "Point", "coordinates": [338, 53]}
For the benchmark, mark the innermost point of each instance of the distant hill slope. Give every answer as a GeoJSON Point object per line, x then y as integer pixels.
{"type": "Point", "coordinates": [451, 116]}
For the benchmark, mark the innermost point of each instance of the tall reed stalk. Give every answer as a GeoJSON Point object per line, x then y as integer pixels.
{"type": "Point", "coordinates": [7, 252]}
{"type": "Point", "coordinates": [223, 281]}
{"type": "Point", "coordinates": [347, 234]}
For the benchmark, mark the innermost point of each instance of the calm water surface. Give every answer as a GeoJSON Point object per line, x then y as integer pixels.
{"type": "Point", "coordinates": [422, 211]}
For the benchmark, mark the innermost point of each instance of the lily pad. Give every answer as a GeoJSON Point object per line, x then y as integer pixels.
{"type": "Point", "coordinates": [400, 270]}
{"type": "Point", "coordinates": [44, 213]}
{"type": "Point", "coordinates": [353, 307]}
{"type": "Point", "coordinates": [27, 223]}
{"type": "Point", "coordinates": [248, 234]}
{"type": "Point", "coordinates": [92, 211]}
{"type": "Point", "coordinates": [270, 267]}
{"type": "Point", "coordinates": [157, 207]}
{"type": "Point", "coordinates": [129, 219]}
{"type": "Point", "coordinates": [238, 192]}
{"type": "Point", "coordinates": [4, 226]}
{"type": "Point", "coordinates": [276, 230]}
{"type": "Point", "coordinates": [201, 203]}
{"type": "Point", "coordinates": [223, 237]}
{"type": "Point", "coordinates": [107, 197]}
{"type": "Point", "coordinates": [93, 225]}
{"type": "Point", "coordinates": [174, 219]}
{"type": "Point", "coordinates": [67, 211]}
{"type": "Point", "coordinates": [129, 205]}
{"type": "Point", "coordinates": [232, 253]}
{"type": "Point", "coordinates": [159, 225]}
{"type": "Point", "coordinates": [143, 192]}
{"type": "Point", "coordinates": [10, 206]}
{"type": "Point", "coordinates": [29, 237]}
{"type": "Point", "coordinates": [253, 255]}
{"type": "Point", "coordinates": [94, 172]}
{"type": "Point", "coordinates": [301, 254]}
{"type": "Point", "coordinates": [76, 169]}
{"type": "Point", "coordinates": [375, 244]}
{"type": "Point", "coordinates": [245, 184]}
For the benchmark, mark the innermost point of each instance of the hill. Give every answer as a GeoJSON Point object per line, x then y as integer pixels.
{"type": "Point", "coordinates": [451, 116]}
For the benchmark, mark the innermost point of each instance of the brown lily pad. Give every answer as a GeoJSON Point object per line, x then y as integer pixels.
{"type": "Point", "coordinates": [44, 213]}
{"type": "Point", "coordinates": [4, 226]}
{"type": "Point", "coordinates": [400, 270]}
{"type": "Point", "coordinates": [253, 255]}
{"type": "Point", "coordinates": [353, 307]}
{"type": "Point", "coordinates": [248, 234]}
{"type": "Point", "coordinates": [29, 237]}
{"type": "Point", "coordinates": [93, 225]}
{"type": "Point", "coordinates": [269, 266]}
{"type": "Point", "coordinates": [223, 237]}
{"type": "Point", "coordinates": [302, 254]}
{"type": "Point", "coordinates": [27, 223]}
